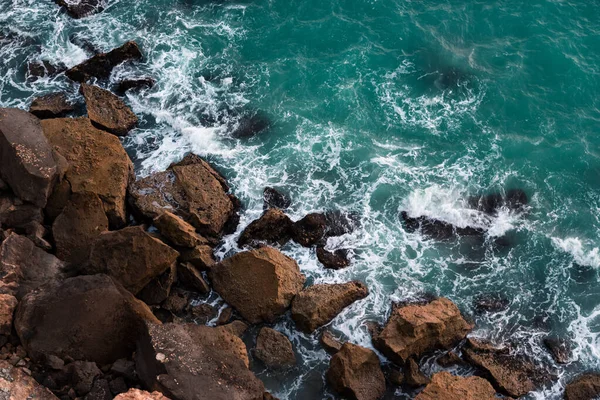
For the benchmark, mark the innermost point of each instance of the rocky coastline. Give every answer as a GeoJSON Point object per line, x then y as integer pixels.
{"type": "Point", "coordinates": [100, 271]}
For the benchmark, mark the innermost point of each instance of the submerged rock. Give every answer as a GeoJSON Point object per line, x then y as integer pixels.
{"type": "Point", "coordinates": [274, 349]}
{"type": "Point", "coordinates": [107, 111]}
{"type": "Point", "coordinates": [514, 199]}
{"type": "Point", "coordinates": [449, 387]}
{"type": "Point", "coordinates": [273, 227]}
{"type": "Point", "coordinates": [490, 302]}
{"type": "Point", "coordinates": [337, 259]}
{"type": "Point", "coordinates": [81, 8]}
{"type": "Point", "coordinates": [559, 348]}
{"type": "Point", "coordinates": [43, 69]}
{"type": "Point", "coordinates": [584, 387]}
{"type": "Point", "coordinates": [437, 229]}
{"type": "Point", "coordinates": [101, 65]}
{"type": "Point", "coordinates": [273, 198]}
{"type": "Point", "coordinates": [250, 125]}
{"type": "Point", "coordinates": [53, 105]}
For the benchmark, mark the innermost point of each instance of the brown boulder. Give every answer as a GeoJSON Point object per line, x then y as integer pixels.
{"type": "Point", "coordinates": [329, 342]}
{"type": "Point", "coordinates": [97, 163]}
{"type": "Point", "coordinates": [449, 387]}
{"type": "Point", "coordinates": [78, 226]}
{"type": "Point", "coordinates": [190, 277]}
{"type": "Point", "coordinates": [131, 256]}
{"type": "Point", "coordinates": [273, 227]}
{"type": "Point", "coordinates": [28, 165]}
{"type": "Point", "coordinates": [260, 283]}
{"type": "Point", "coordinates": [178, 359]}
{"type": "Point", "coordinates": [318, 304]}
{"type": "Point", "coordinates": [8, 304]}
{"type": "Point", "coordinates": [310, 230]}
{"type": "Point", "coordinates": [107, 111]}
{"type": "Point", "coordinates": [354, 372]}
{"type": "Point", "coordinates": [413, 376]}
{"type": "Point", "coordinates": [15, 213]}
{"type": "Point", "coordinates": [415, 329]}
{"type": "Point", "coordinates": [137, 394]}
{"type": "Point", "coordinates": [159, 288]}
{"type": "Point", "coordinates": [88, 318]}
{"type": "Point", "coordinates": [584, 387]}
{"type": "Point", "coordinates": [200, 257]}
{"type": "Point", "coordinates": [177, 231]}
{"type": "Point", "coordinates": [337, 259]}
{"type": "Point", "coordinates": [53, 105]}
{"type": "Point", "coordinates": [274, 349]}
{"type": "Point", "coordinates": [101, 65]}
{"type": "Point", "coordinates": [16, 384]}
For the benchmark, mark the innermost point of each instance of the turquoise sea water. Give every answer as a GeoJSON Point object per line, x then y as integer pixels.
{"type": "Point", "coordinates": [377, 107]}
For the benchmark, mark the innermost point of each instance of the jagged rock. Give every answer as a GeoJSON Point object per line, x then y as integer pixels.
{"type": "Point", "coordinates": [137, 394]}
{"type": "Point", "coordinates": [354, 372]}
{"type": "Point", "coordinates": [159, 288]}
{"type": "Point", "coordinates": [44, 68]}
{"type": "Point", "coordinates": [53, 105]}
{"type": "Point", "coordinates": [131, 256]}
{"type": "Point", "coordinates": [81, 375]}
{"type": "Point", "coordinates": [16, 384]}
{"type": "Point", "coordinates": [107, 111]}
{"type": "Point", "coordinates": [337, 259]}
{"type": "Point", "coordinates": [490, 302]}
{"type": "Point", "coordinates": [178, 302]}
{"type": "Point", "coordinates": [200, 257]}
{"type": "Point", "coordinates": [135, 84]}
{"type": "Point", "coordinates": [237, 328]}
{"type": "Point", "coordinates": [36, 232]}
{"type": "Point", "coordinates": [273, 228]}
{"type": "Point", "coordinates": [14, 213]}
{"type": "Point", "coordinates": [190, 189]}
{"type": "Point", "coordinates": [117, 386]}
{"type": "Point", "coordinates": [28, 165]}
{"type": "Point", "coordinates": [202, 313]}
{"type": "Point", "coordinates": [100, 391]}
{"type": "Point", "coordinates": [511, 375]}
{"type": "Point", "coordinates": [310, 230]}
{"type": "Point", "coordinates": [413, 376]}
{"type": "Point", "coordinates": [449, 387]}
{"type": "Point", "coordinates": [260, 284]}
{"type": "Point", "coordinates": [88, 318]}
{"type": "Point", "coordinates": [177, 231]}
{"type": "Point", "coordinates": [8, 304]}
{"type": "Point", "coordinates": [437, 229]}
{"type": "Point", "coordinates": [339, 223]}
{"type": "Point", "coordinates": [273, 198]}
{"type": "Point", "coordinates": [125, 368]}
{"type": "Point", "coordinates": [101, 65]}
{"type": "Point", "coordinates": [98, 163]}
{"type": "Point", "coordinates": [80, 8]}
{"type": "Point", "coordinates": [24, 267]}
{"type": "Point", "coordinates": [318, 304]}
{"type": "Point", "coordinates": [78, 226]}
{"type": "Point", "coordinates": [190, 277]}
{"type": "Point", "coordinates": [415, 329]}
{"type": "Point", "coordinates": [584, 387]}
{"type": "Point", "coordinates": [274, 349]}
{"type": "Point", "coordinates": [329, 342]}
{"type": "Point", "coordinates": [177, 359]}
{"type": "Point", "coordinates": [449, 359]}
{"type": "Point", "coordinates": [559, 348]}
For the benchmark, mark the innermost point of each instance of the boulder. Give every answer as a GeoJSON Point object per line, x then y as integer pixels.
{"type": "Point", "coordinates": [159, 288]}
{"type": "Point", "coordinates": [101, 65]}
{"type": "Point", "coordinates": [81, 375]}
{"type": "Point", "coordinates": [88, 318]}
{"type": "Point", "coordinates": [191, 278]}
{"type": "Point", "coordinates": [416, 329]}
{"type": "Point", "coordinates": [107, 111]}
{"type": "Point", "coordinates": [177, 231]}
{"type": "Point", "coordinates": [354, 372]}
{"type": "Point", "coordinates": [135, 84]}
{"type": "Point", "coordinates": [413, 377]}
{"type": "Point", "coordinates": [36, 232]}
{"type": "Point", "coordinates": [318, 304]}
{"type": "Point", "coordinates": [8, 304]}
{"type": "Point", "coordinates": [449, 359]}
{"type": "Point", "coordinates": [131, 256]}
{"type": "Point", "coordinates": [28, 165]}
{"type": "Point", "coordinates": [80, 8]}
{"type": "Point", "coordinates": [329, 342]}
{"type": "Point", "coordinates": [14, 213]}
{"type": "Point", "coordinates": [273, 198]}
{"type": "Point", "coordinates": [274, 349]}
{"type": "Point", "coordinates": [53, 105]}
{"type": "Point", "coordinates": [137, 394]}
{"type": "Point", "coordinates": [449, 387]}
{"type": "Point", "coordinates": [24, 267]}
{"type": "Point", "coordinates": [78, 226]}
{"type": "Point", "coordinates": [237, 328]}
{"type": "Point", "coordinates": [177, 359]}
{"type": "Point", "coordinates": [100, 391]}
{"type": "Point", "coordinates": [43, 69]}
{"type": "Point", "coordinates": [260, 283]}
{"type": "Point", "coordinates": [337, 259]}
{"type": "Point", "coordinates": [584, 387]}
{"type": "Point", "coordinates": [437, 229]}
{"type": "Point", "coordinates": [125, 368]}
{"type": "Point", "coordinates": [340, 223]}
{"type": "Point", "coordinates": [272, 228]}
{"type": "Point", "coordinates": [200, 257]}
{"type": "Point", "coordinates": [16, 384]}
{"type": "Point", "coordinates": [190, 189]}
{"type": "Point", "coordinates": [559, 348]}
{"type": "Point", "coordinates": [310, 230]}
{"type": "Point", "coordinates": [202, 313]}
{"type": "Point", "coordinates": [97, 163]}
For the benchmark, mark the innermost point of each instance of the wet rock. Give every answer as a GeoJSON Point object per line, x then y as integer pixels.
{"type": "Point", "coordinates": [43, 69]}
{"type": "Point", "coordinates": [135, 84]}
{"type": "Point", "coordinates": [78, 226]}
{"type": "Point", "coordinates": [177, 231]}
{"type": "Point", "coordinates": [15, 383]}
{"type": "Point", "coordinates": [82, 375]}
{"type": "Point", "coordinates": [274, 349]}
{"type": "Point", "coordinates": [337, 259]}
{"type": "Point", "coordinates": [159, 288]}
{"type": "Point", "coordinates": [273, 198]}
{"type": "Point", "coordinates": [202, 313]}
{"type": "Point", "coordinates": [131, 256]}
{"type": "Point", "coordinates": [415, 329]}
{"type": "Point", "coordinates": [318, 304]}
{"type": "Point", "coordinates": [200, 257]}
{"type": "Point", "coordinates": [101, 65]}
{"type": "Point", "coordinates": [340, 223]}
{"type": "Point", "coordinates": [81, 8]}
{"type": "Point", "coordinates": [28, 165]}
{"type": "Point", "coordinates": [25, 267]}
{"type": "Point", "coordinates": [329, 342]}
{"type": "Point", "coordinates": [98, 163]}
{"type": "Point", "coordinates": [85, 318]}
{"type": "Point", "coordinates": [107, 111]}
{"type": "Point", "coordinates": [559, 348]}
{"type": "Point", "coordinates": [269, 396]}
{"type": "Point", "coordinates": [273, 228]}
{"type": "Point", "coordinates": [137, 394]}
{"type": "Point", "coordinates": [449, 359]}
{"type": "Point", "coordinates": [413, 377]}
{"type": "Point", "coordinates": [437, 229]}
{"type": "Point", "coordinates": [250, 125]}
{"type": "Point", "coordinates": [449, 387]}
{"type": "Point", "coordinates": [584, 387]}
{"type": "Point", "coordinates": [14, 213]}
{"type": "Point", "coordinates": [225, 315]}
{"type": "Point", "coordinates": [8, 304]}
{"type": "Point", "coordinates": [511, 375]}
{"type": "Point", "coordinates": [260, 284]}
{"type": "Point", "coordinates": [490, 302]}
{"type": "Point", "coordinates": [177, 359]}
{"type": "Point", "coordinates": [310, 230]}
{"type": "Point", "coordinates": [190, 189]}
{"type": "Point", "coordinates": [84, 43]}
{"type": "Point", "coordinates": [514, 199]}
{"type": "Point", "coordinates": [354, 372]}
{"type": "Point", "coordinates": [191, 278]}
{"type": "Point", "coordinates": [53, 105]}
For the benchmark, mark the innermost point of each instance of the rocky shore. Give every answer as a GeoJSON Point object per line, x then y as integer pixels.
{"type": "Point", "coordinates": [101, 272]}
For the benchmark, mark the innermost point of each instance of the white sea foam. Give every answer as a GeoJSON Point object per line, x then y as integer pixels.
{"type": "Point", "coordinates": [583, 253]}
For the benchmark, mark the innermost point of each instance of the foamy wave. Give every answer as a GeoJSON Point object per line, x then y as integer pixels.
{"type": "Point", "coordinates": [583, 253]}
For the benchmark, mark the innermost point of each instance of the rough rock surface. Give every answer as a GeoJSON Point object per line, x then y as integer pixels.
{"type": "Point", "coordinates": [584, 387]}
{"type": "Point", "coordinates": [274, 349]}
{"type": "Point", "coordinates": [16, 384]}
{"type": "Point", "coordinates": [97, 162]}
{"type": "Point", "coordinates": [200, 257]}
{"type": "Point", "coordinates": [437, 229]}
{"type": "Point", "coordinates": [415, 329]}
{"type": "Point", "coordinates": [354, 372]}
{"type": "Point", "coordinates": [43, 68]}
{"type": "Point", "coordinates": [135, 84]}
{"type": "Point", "coordinates": [310, 230]}
{"type": "Point", "coordinates": [131, 256]}
{"type": "Point", "coordinates": [273, 227]}
{"type": "Point", "coordinates": [15, 213]}
{"type": "Point", "coordinates": [88, 318]}
{"type": "Point", "coordinates": [159, 288]}
{"type": "Point", "coordinates": [329, 342]}
{"type": "Point", "coordinates": [273, 198]}
{"type": "Point", "coordinates": [137, 394]}
{"type": "Point", "coordinates": [8, 304]}
{"type": "Point", "coordinates": [101, 65]}
{"type": "Point", "coordinates": [177, 359]}
{"type": "Point", "coordinates": [413, 376]}
{"type": "Point", "coordinates": [28, 164]}
{"type": "Point", "coordinates": [260, 283]}
{"type": "Point", "coordinates": [177, 231]}
{"type": "Point", "coordinates": [190, 277]}
{"type": "Point", "coordinates": [107, 111]}
{"type": "Point", "coordinates": [559, 348]}
{"type": "Point", "coordinates": [449, 387]}
{"type": "Point", "coordinates": [80, 8]}
{"type": "Point", "coordinates": [319, 304]}
{"type": "Point", "coordinates": [53, 105]}
{"type": "Point", "coordinates": [337, 259]}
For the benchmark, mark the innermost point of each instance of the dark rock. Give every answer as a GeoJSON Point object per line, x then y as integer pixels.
{"type": "Point", "coordinates": [135, 84]}
{"type": "Point", "coordinates": [274, 349]}
{"type": "Point", "coordinates": [14, 213]}
{"type": "Point", "coordinates": [449, 359]}
{"type": "Point", "coordinates": [81, 8]}
{"type": "Point", "coordinates": [191, 278]}
{"type": "Point", "coordinates": [202, 313]}
{"type": "Point", "coordinates": [82, 375]}
{"type": "Point", "coordinates": [117, 386]}
{"type": "Point", "coordinates": [559, 348]}
{"type": "Point", "coordinates": [310, 230]}
{"type": "Point", "coordinates": [125, 368]}
{"type": "Point", "coordinates": [340, 223]}
{"type": "Point", "coordinates": [54, 362]}
{"type": "Point", "coordinates": [225, 315]}
{"type": "Point", "coordinates": [101, 65]}
{"type": "Point", "coordinates": [100, 391]}
{"type": "Point", "coordinates": [272, 228]}
{"type": "Point", "coordinates": [36, 232]}
{"type": "Point", "coordinates": [178, 302]}
{"type": "Point", "coordinates": [8, 304]}
{"type": "Point", "coordinates": [329, 342]}
{"type": "Point", "coordinates": [449, 387]}
{"type": "Point", "coordinates": [107, 111]}
{"type": "Point", "coordinates": [84, 44]}
{"type": "Point", "coordinates": [44, 68]}
{"type": "Point", "coordinates": [437, 229]}
{"type": "Point", "coordinates": [337, 259]}
{"type": "Point", "coordinates": [237, 328]}
{"type": "Point", "coordinates": [273, 198]}
{"type": "Point", "coordinates": [177, 231]}
{"type": "Point", "coordinates": [15, 383]}
{"type": "Point", "coordinates": [250, 125]}
{"type": "Point", "coordinates": [159, 288]}
{"type": "Point", "coordinates": [584, 387]}
{"type": "Point", "coordinates": [490, 302]}
{"type": "Point", "coordinates": [200, 257]}
{"type": "Point", "coordinates": [53, 105]}
{"type": "Point", "coordinates": [413, 377]}
{"type": "Point", "coordinates": [514, 199]}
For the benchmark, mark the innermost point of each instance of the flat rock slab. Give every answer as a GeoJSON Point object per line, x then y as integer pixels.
{"type": "Point", "coordinates": [107, 111]}
{"type": "Point", "coordinates": [53, 105]}
{"type": "Point", "coordinates": [449, 387]}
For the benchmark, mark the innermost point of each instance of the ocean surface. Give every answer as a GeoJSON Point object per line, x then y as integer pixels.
{"type": "Point", "coordinates": [376, 107]}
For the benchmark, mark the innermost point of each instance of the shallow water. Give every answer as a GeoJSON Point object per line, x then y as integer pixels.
{"type": "Point", "coordinates": [377, 107]}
